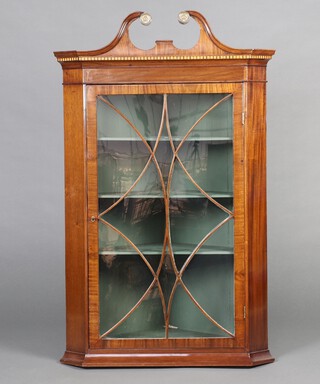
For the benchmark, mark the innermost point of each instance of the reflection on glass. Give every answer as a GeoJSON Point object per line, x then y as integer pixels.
{"type": "Point", "coordinates": [210, 166]}
{"type": "Point", "coordinates": [142, 221]}
{"type": "Point", "coordinates": [128, 166]}
{"type": "Point", "coordinates": [192, 220]}
{"type": "Point", "coordinates": [119, 165]}
{"type": "Point", "coordinates": [210, 281]}
{"type": "Point", "coordinates": [122, 282]}
{"type": "Point", "coordinates": [174, 207]}
{"type": "Point", "coordinates": [143, 111]}
{"type": "Point", "coordinates": [185, 110]}
{"type": "Point", "coordinates": [167, 277]}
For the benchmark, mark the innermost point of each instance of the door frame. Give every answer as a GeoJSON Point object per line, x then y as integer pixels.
{"type": "Point", "coordinates": [223, 344]}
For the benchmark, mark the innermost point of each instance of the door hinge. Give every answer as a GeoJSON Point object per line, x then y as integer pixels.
{"type": "Point", "coordinates": [243, 118]}
{"type": "Point", "coordinates": [244, 311]}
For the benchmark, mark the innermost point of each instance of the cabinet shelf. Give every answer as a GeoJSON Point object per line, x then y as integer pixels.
{"type": "Point", "coordinates": [175, 333]}
{"type": "Point", "coordinates": [217, 140]}
{"type": "Point", "coordinates": [178, 249]}
{"type": "Point", "coordinates": [187, 195]}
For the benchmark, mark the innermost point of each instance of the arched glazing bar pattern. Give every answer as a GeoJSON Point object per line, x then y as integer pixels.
{"type": "Point", "coordinates": [165, 215]}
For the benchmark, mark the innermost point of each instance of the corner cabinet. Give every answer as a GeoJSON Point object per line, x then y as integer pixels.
{"type": "Point", "coordinates": [165, 186]}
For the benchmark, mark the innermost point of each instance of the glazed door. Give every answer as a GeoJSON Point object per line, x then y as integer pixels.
{"type": "Point", "coordinates": [165, 202]}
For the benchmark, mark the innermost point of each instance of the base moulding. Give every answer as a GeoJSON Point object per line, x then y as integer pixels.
{"type": "Point", "coordinates": [193, 359]}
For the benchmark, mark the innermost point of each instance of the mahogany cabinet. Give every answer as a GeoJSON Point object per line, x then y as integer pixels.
{"type": "Point", "coordinates": [165, 187]}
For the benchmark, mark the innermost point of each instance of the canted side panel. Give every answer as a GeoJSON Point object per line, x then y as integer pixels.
{"type": "Point", "coordinates": [75, 219]}
{"type": "Point", "coordinates": [256, 220]}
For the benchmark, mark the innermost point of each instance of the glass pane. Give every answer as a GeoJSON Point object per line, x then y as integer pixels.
{"type": "Point", "coordinates": [120, 163]}
{"type": "Point", "coordinates": [209, 164]}
{"type": "Point", "coordinates": [142, 221]}
{"type": "Point", "coordinates": [162, 206]}
{"type": "Point", "coordinates": [186, 110]}
{"type": "Point", "coordinates": [167, 277]}
{"type": "Point", "coordinates": [123, 282]}
{"type": "Point", "coordinates": [111, 125]}
{"type": "Point", "coordinates": [143, 111]}
{"type": "Point", "coordinates": [147, 321]}
{"type": "Point", "coordinates": [192, 219]}
{"type": "Point", "coordinates": [209, 279]}
{"type": "Point", "coordinates": [164, 156]}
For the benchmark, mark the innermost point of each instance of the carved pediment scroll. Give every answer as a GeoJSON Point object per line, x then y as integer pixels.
{"type": "Point", "coordinates": [121, 47]}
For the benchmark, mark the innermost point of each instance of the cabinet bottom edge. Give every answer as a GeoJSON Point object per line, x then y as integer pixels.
{"type": "Point", "coordinates": [189, 359]}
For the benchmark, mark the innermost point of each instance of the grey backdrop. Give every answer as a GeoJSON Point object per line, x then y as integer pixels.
{"type": "Point", "coordinates": [31, 194]}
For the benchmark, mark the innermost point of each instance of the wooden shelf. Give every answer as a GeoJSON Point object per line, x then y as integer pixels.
{"type": "Point", "coordinates": [187, 195]}
{"type": "Point", "coordinates": [173, 334]}
{"type": "Point", "coordinates": [212, 140]}
{"type": "Point", "coordinates": [178, 249]}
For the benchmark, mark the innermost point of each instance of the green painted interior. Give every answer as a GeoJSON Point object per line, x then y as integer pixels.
{"type": "Point", "coordinates": [210, 281]}
{"type": "Point", "coordinates": [185, 110]}
{"type": "Point", "coordinates": [143, 111]}
{"type": "Point", "coordinates": [207, 155]}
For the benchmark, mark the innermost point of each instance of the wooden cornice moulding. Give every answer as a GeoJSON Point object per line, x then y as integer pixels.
{"type": "Point", "coordinates": [121, 48]}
